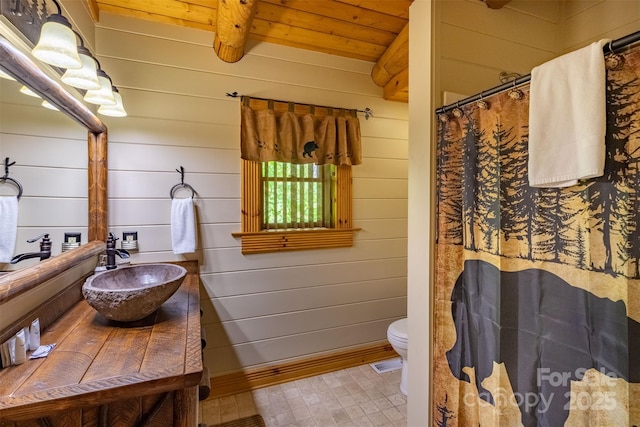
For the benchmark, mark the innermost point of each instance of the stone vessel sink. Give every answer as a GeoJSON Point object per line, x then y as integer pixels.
{"type": "Point", "coordinates": [127, 294]}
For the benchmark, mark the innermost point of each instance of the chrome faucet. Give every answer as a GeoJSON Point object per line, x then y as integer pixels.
{"type": "Point", "coordinates": [112, 252]}
{"type": "Point", "coordinates": [45, 250]}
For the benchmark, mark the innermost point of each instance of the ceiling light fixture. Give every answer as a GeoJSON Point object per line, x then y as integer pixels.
{"type": "Point", "coordinates": [57, 43]}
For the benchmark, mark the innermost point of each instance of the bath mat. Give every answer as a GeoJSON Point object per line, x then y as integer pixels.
{"type": "Point", "coordinates": [252, 421]}
{"type": "Point", "coordinates": [387, 365]}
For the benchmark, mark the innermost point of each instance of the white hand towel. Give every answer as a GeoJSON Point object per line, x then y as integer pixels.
{"type": "Point", "coordinates": [8, 226]}
{"type": "Point", "coordinates": [183, 226]}
{"type": "Point", "coordinates": [567, 118]}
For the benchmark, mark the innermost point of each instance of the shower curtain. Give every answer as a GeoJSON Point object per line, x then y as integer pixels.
{"type": "Point", "coordinates": [537, 291]}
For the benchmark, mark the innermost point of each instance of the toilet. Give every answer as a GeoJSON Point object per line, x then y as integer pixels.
{"type": "Point", "coordinates": [397, 337]}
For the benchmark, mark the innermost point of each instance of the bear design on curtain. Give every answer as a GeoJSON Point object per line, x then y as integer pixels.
{"type": "Point", "coordinates": [537, 291]}
{"type": "Point", "coordinates": [299, 133]}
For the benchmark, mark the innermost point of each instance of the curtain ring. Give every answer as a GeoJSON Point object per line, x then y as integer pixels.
{"type": "Point", "coordinates": [457, 112]}
{"type": "Point", "coordinates": [515, 93]}
{"type": "Point", "coordinates": [612, 60]}
{"type": "Point", "coordinates": [482, 104]}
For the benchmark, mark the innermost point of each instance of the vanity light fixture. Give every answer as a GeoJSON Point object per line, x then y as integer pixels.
{"type": "Point", "coordinates": [57, 43]}
{"type": "Point", "coordinates": [85, 77]}
{"type": "Point", "coordinates": [104, 95]}
{"type": "Point", "coordinates": [116, 110]}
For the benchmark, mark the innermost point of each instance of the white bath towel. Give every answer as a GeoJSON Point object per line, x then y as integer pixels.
{"type": "Point", "coordinates": [183, 226]}
{"type": "Point", "coordinates": [567, 118]}
{"type": "Point", "coordinates": [8, 226]}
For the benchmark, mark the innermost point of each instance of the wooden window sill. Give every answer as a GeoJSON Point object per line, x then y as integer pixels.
{"type": "Point", "coordinates": [295, 239]}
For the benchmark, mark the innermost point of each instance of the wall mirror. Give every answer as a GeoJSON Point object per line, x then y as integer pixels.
{"type": "Point", "coordinates": [47, 152]}
{"type": "Point", "coordinates": [16, 63]}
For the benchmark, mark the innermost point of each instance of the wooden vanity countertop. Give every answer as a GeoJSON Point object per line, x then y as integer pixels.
{"type": "Point", "coordinates": [97, 361]}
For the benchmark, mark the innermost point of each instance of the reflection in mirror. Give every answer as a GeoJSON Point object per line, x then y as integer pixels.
{"type": "Point", "coordinates": [50, 154]}
{"type": "Point", "coordinates": [27, 72]}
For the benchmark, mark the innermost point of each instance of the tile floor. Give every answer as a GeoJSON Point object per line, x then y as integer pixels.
{"type": "Point", "coordinates": [357, 396]}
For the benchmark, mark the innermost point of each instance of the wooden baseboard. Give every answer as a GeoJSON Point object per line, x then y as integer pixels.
{"type": "Point", "coordinates": [250, 379]}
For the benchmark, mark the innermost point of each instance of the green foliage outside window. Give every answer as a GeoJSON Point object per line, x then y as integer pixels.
{"type": "Point", "coordinates": [297, 195]}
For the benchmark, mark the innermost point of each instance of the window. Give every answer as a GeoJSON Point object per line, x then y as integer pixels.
{"type": "Point", "coordinates": [277, 214]}
{"type": "Point", "coordinates": [297, 195]}
{"type": "Point", "coordinates": [296, 175]}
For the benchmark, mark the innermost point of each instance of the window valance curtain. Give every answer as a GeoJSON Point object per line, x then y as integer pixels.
{"type": "Point", "coordinates": [296, 133]}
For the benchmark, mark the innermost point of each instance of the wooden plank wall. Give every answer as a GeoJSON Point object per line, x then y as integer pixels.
{"type": "Point", "coordinates": [586, 21]}
{"type": "Point", "coordinates": [264, 308]}
{"type": "Point", "coordinates": [474, 43]}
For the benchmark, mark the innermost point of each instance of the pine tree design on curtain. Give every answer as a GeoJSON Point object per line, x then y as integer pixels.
{"type": "Point", "coordinates": [490, 201]}
{"type": "Point", "coordinates": [582, 242]}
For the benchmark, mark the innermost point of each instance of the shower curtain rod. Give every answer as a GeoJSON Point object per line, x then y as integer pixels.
{"type": "Point", "coordinates": [609, 47]}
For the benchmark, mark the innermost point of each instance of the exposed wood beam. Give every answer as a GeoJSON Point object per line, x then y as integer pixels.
{"type": "Point", "coordinates": [393, 60]}
{"type": "Point", "coordinates": [232, 28]}
{"type": "Point", "coordinates": [391, 70]}
{"type": "Point", "coordinates": [397, 89]}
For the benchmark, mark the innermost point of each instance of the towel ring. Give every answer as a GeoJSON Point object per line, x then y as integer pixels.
{"type": "Point", "coordinates": [6, 178]}
{"type": "Point", "coordinates": [181, 184]}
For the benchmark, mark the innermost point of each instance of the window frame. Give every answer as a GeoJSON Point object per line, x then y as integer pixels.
{"type": "Point", "coordinates": [257, 240]}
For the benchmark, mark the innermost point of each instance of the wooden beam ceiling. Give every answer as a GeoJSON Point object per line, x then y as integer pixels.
{"type": "Point", "coordinates": [391, 71]}
{"type": "Point", "coordinates": [369, 30]}
{"type": "Point", "coordinates": [233, 22]}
